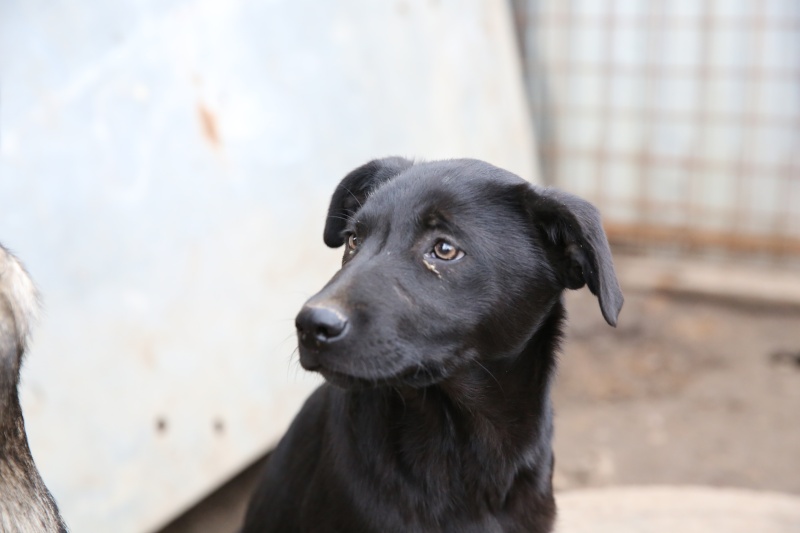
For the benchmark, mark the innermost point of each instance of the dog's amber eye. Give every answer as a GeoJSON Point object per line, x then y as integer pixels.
{"type": "Point", "coordinates": [352, 242]}
{"type": "Point", "coordinates": [446, 251]}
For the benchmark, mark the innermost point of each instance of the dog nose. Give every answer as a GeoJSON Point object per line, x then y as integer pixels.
{"type": "Point", "coordinates": [320, 325]}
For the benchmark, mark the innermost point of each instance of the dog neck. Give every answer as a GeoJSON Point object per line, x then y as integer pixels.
{"type": "Point", "coordinates": [487, 428]}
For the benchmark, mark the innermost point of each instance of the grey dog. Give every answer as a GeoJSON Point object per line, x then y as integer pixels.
{"type": "Point", "coordinates": [26, 506]}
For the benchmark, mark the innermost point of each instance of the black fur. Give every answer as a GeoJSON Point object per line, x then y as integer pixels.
{"type": "Point", "coordinates": [436, 415]}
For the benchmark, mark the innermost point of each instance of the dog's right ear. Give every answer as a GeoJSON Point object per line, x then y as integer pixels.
{"type": "Point", "coordinates": [572, 228]}
{"type": "Point", "coordinates": [353, 190]}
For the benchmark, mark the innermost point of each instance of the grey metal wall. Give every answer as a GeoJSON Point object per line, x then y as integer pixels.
{"type": "Point", "coordinates": [165, 167]}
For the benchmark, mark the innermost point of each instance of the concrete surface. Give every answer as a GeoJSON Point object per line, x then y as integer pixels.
{"type": "Point", "coordinates": [676, 510]}
{"type": "Point", "coordinates": [687, 390]}
{"type": "Point", "coordinates": [767, 285]}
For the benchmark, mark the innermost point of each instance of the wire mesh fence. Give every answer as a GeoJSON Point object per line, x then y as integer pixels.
{"type": "Point", "coordinates": [679, 119]}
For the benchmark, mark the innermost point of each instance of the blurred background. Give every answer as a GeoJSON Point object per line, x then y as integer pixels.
{"type": "Point", "coordinates": [165, 169]}
{"type": "Point", "coordinates": [679, 119]}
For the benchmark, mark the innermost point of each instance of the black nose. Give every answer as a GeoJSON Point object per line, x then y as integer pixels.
{"type": "Point", "coordinates": [320, 325]}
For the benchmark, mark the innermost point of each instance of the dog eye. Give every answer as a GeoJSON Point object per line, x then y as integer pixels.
{"type": "Point", "coordinates": [446, 251]}
{"type": "Point", "coordinates": [352, 242]}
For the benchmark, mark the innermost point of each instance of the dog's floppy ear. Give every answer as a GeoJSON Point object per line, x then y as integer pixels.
{"type": "Point", "coordinates": [573, 228]}
{"type": "Point", "coordinates": [354, 189]}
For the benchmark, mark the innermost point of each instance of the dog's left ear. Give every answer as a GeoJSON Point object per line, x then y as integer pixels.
{"type": "Point", "coordinates": [353, 190]}
{"type": "Point", "coordinates": [572, 227]}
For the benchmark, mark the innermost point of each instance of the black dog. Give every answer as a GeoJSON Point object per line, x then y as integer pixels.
{"type": "Point", "coordinates": [438, 339]}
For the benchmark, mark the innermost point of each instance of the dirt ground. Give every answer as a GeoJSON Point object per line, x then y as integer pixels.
{"type": "Point", "coordinates": [683, 391]}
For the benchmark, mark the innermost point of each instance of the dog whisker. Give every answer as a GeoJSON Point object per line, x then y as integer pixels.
{"type": "Point", "coordinates": [490, 374]}
{"type": "Point", "coordinates": [347, 218]}
{"type": "Point", "coordinates": [354, 196]}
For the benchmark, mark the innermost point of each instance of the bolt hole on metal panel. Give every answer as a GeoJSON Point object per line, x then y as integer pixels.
{"type": "Point", "coordinates": [165, 169]}
{"type": "Point", "coordinates": [680, 120]}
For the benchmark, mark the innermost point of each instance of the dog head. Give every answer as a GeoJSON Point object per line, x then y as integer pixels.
{"type": "Point", "coordinates": [445, 262]}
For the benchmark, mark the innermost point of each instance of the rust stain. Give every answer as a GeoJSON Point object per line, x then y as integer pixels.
{"type": "Point", "coordinates": [147, 354]}
{"type": "Point", "coordinates": [209, 124]}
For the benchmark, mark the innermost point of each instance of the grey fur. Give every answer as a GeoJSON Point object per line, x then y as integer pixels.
{"type": "Point", "coordinates": [26, 505]}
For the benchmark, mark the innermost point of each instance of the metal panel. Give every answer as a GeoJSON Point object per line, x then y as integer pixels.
{"type": "Point", "coordinates": [165, 168]}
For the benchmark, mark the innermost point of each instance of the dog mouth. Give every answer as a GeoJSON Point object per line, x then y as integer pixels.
{"type": "Point", "coordinates": [398, 367]}
{"type": "Point", "coordinates": [418, 376]}
{"type": "Point", "coordinates": [346, 381]}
